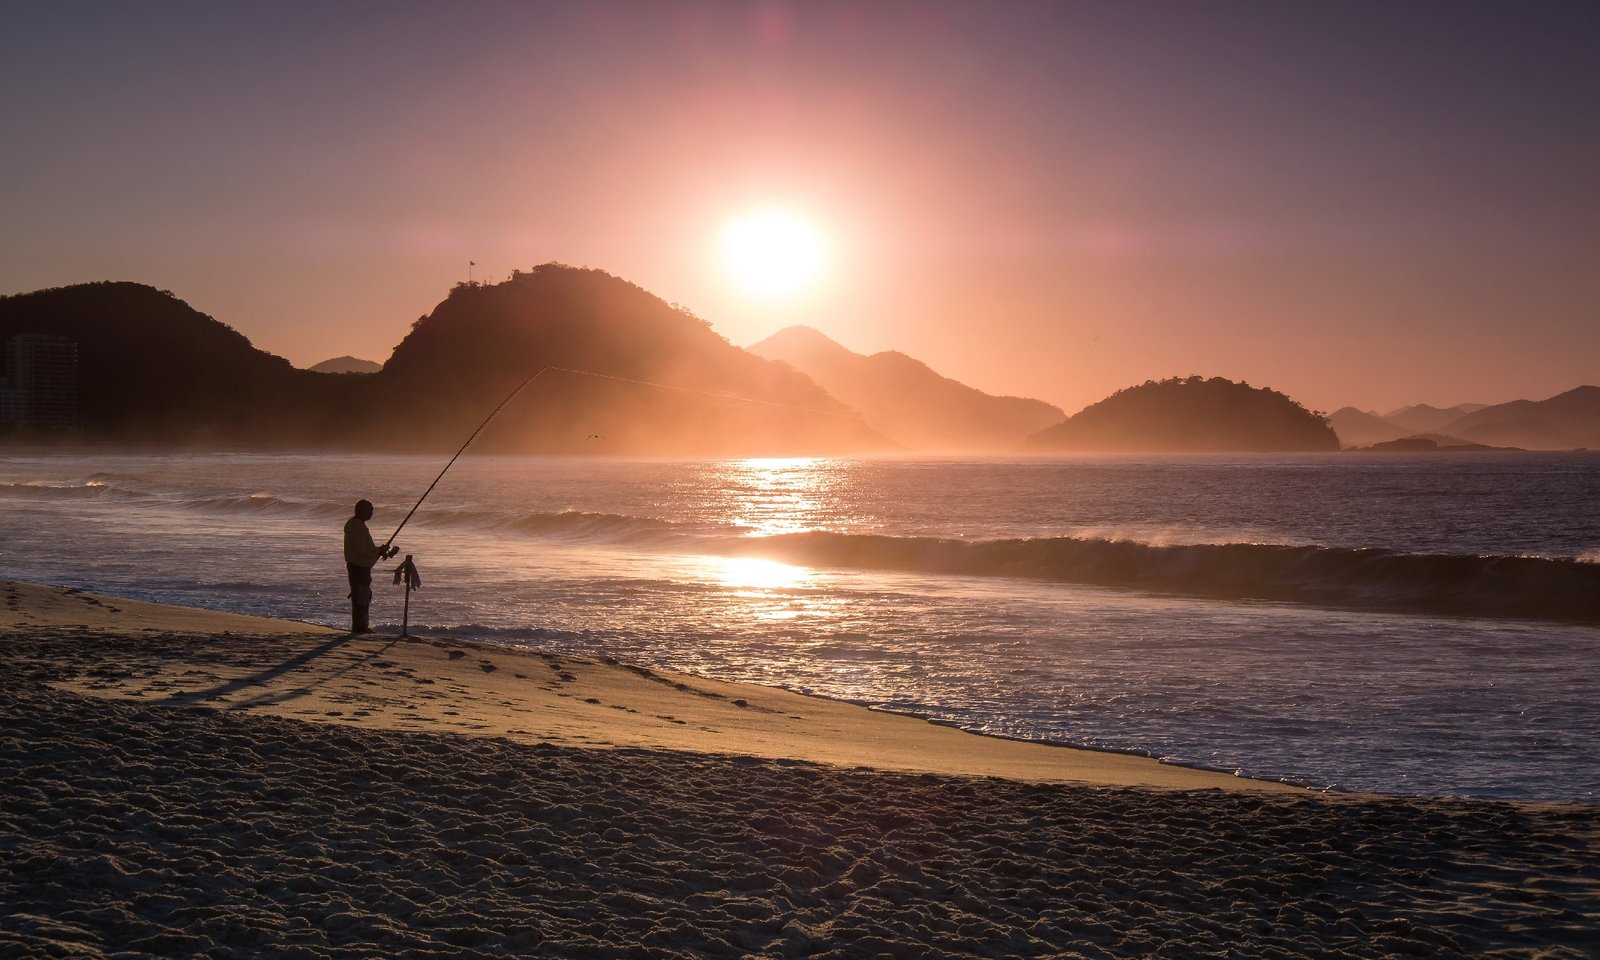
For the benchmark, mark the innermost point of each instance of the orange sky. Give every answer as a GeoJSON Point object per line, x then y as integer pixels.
{"type": "Point", "coordinates": [1354, 203]}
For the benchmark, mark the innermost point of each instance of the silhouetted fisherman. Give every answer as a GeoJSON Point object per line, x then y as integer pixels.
{"type": "Point", "coordinates": [360, 553]}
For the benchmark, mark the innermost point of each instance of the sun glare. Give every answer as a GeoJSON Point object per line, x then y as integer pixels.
{"type": "Point", "coordinates": [772, 254]}
{"type": "Point", "coordinates": [760, 574]}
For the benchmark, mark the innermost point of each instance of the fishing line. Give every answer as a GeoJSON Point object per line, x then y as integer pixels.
{"type": "Point", "coordinates": [463, 449]}
{"type": "Point", "coordinates": [845, 414]}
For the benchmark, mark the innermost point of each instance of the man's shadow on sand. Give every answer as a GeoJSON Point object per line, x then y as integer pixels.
{"type": "Point", "coordinates": [299, 661]}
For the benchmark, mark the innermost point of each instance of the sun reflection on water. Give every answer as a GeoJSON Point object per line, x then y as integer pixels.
{"type": "Point", "coordinates": [776, 495]}
{"type": "Point", "coordinates": [762, 589]}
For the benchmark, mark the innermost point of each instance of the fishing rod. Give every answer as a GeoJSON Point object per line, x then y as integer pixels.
{"type": "Point", "coordinates": [470, 438]}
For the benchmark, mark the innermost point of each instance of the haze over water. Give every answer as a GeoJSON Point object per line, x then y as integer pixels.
{"type": "Point", "coordinates": [890, 582]}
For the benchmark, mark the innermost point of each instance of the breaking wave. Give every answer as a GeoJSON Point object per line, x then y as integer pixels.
{"type": "Point", "coordinates": [1375, 579]}
{"type": "Point", "coordinates": [88, 490]}
{"type": "Point", "coordinates": [605, 528]}
{"type": "Point", "coordinates": [1521, 587]}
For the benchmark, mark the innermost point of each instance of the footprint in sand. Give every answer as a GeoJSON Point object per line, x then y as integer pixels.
{"type": "Point", "coordinates": [457, 654]}
{"type": "Point", "coordinates": [486, 666]}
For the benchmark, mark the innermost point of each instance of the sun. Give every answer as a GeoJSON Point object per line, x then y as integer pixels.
{"type": "Point", "coordinates": [772, 254]}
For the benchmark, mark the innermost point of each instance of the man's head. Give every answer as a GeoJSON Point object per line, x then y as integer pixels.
{"type": "Point", "coordinates": [364, 510]}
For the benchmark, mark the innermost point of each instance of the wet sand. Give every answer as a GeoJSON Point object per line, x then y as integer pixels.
{"type": "Point", "coordinates": [180, 783]}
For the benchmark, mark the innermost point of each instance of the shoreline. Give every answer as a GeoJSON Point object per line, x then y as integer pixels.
{"type": "Point", "coordinates": [51, 606]}
{"type": "Point", "coordinates": [534, 696]}
{"type": "Point", "coordinates": [182, 783]}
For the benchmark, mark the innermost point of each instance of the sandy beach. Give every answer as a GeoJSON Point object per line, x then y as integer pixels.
{"type": "Point", "coordinates": [188, 783]}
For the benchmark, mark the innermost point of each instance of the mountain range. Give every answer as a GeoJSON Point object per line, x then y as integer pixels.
{"type": "Point", "coordinates": [1566, 421]}
{"type": "Point", "coordinates": [656, 380]}
{"type": "Point", "coordinates": [905, 400]}
{"type": "Point", "coordinates": [611, 368]}
{"type": "Point", "coordinates": [1425, 418]}
{"type": "Point", "coordinates": [619, 371]}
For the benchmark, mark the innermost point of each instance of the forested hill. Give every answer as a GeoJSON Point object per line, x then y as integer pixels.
{"type": "Point", "coordinates": [154, 370]}
{"type": "Point", "coordinates": [1190, 415]}
{"type": "Point", "coordinates": [656, 378]}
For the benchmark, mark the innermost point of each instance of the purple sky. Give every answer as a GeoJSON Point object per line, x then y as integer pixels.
{"type": "Point", "coordinates": [1355, 203]}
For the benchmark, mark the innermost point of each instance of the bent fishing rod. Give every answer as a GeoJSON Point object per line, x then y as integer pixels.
{"type": "Point", "coordinates": [470, 438]}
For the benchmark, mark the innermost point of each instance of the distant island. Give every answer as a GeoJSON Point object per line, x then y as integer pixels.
{"type": "Point", "coordinates": [1193, 415]}
{"type": "Point", "coordinates": [1434, 444]}
{"type": "Point", "coordinates": [1431, 444]}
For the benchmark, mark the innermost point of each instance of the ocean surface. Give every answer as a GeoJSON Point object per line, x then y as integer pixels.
{"type": "Point", "coordinates": [1422, 624]}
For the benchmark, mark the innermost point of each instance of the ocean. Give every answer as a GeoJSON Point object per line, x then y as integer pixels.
{"type": "Point", "coordinates": [1424, 625]}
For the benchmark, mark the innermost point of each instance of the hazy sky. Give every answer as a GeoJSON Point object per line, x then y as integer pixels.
{"type": "Point", "coordinates": [1355, 203]}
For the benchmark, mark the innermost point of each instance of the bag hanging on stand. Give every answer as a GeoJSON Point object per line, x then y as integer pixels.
{"type": "Point", "coordinates": [407, 574]}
